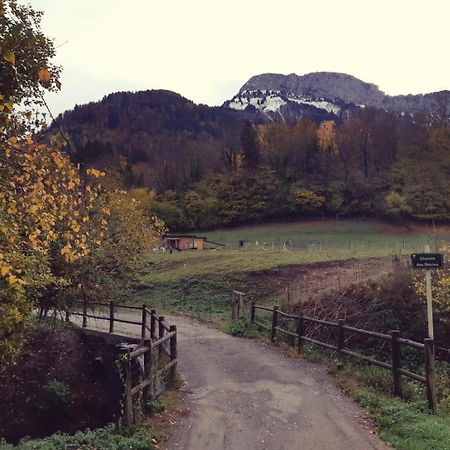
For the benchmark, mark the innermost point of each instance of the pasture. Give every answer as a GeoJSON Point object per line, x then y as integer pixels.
{"type": "Point", "coordinates": [277, 255]}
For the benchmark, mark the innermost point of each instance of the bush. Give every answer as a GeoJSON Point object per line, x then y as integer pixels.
{"type": "Point", "coordinates": [108, 438]}
{"type": "Point", "coordinates": [243, 328]}
{"type": "Point", "coordinates": [56, 402]}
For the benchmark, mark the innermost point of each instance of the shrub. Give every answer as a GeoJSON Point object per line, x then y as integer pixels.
{"type": "Point", "coordinates": [243, 328]}
{"type": "Point", "coordinates": [56, 402]}
{"type": "Point", "coordinates": [108, 438]}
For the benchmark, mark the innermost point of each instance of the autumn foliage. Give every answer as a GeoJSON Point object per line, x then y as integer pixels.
{"type": "Point", "coordinates": [62, 234]}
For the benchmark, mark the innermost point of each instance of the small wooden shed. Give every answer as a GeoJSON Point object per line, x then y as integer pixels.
{"type": "Point", "coordinates": [184, 242]}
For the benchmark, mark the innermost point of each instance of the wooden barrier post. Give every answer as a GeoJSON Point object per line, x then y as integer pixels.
{"type": "Point", "coordinates": [111, 317]}
{"type": "Point", "coordinates": [173, 353]}
{"type": "Point", "coordinates": [300, 331]}
{"type": "Point", "coordinates": [148, 373]}
{"type": "Point", "coordinates": [144, 323]}
{"type": "Point", "coordinates": [396, 356]}
{"type": "Point", "coordinates": [252, 312]}
{"type": "Point", "coordinates": [152, 324]}
{"type": "Point", "coordinates": [430, 374]}
{"type": "Point", "coordinates": [161, 332]}
{"type": "Point", "coordinates": [241, 305]}
{"type": "Point", "coordinates": [84, 314]}
{"type": "Point", "coordinates": [274, 323]}
{"type": "Point", "coordinates": [233, 306]}
{"type": "Point", "coordinates": [128, 395]}
{"type": "Point", "coordinates": [341, 335]}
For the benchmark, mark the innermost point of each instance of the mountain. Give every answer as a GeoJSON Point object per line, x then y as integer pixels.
{"type": "Point", "coordinates": [210, 166]}
{"type": "Point", "coordinates": [163, 137]}
{"type": "Point", "coordinates": [326, 95]}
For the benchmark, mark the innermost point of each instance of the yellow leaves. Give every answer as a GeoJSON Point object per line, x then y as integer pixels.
{"type": "Point", "coordinates": [75, 227]}
{"type": "Point", "coordinates": [66, 249]}
{"type": "Point", "coordinates": [32, 209]}
{"type": "Point", "coordinates": [326, 136]}
{"type": "Point", "coordinates": [5, 270]}
{"type": "Point", "coordinates": [44, 76]}
{"type": "Point", "coordinates": [95, 173]}
{"type": "Point", "coordinates": [33, 237]}
{"type": "Point", "coordinates": [10, 57]}
{"type": "Point", "coordinates": [8, 105]}
{"type": "Point", "coordinates": [15, 281]}
{"type": "Point", "coordinates": [12, 209]}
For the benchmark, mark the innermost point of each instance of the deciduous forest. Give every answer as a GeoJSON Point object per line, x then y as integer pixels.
{"type": "Point", "coordinates": [199, 167]}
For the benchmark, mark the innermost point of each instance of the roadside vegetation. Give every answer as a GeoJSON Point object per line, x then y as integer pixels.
{"type": "Point", "coordinates": [110, 437]}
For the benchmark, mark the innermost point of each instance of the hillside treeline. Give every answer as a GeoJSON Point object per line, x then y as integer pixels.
{"type": "Point", "coordinates": [200, 167]}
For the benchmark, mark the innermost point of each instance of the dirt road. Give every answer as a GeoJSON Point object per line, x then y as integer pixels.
{"type": "Point", "coordinates": [245, 395]}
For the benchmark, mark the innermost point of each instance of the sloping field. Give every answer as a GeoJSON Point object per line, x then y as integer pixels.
{"type": "Point", "coordinates": [303, 254]}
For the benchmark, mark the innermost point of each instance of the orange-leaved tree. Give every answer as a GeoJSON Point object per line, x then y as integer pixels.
{"type": "Point", "coordinates": [62, 234]}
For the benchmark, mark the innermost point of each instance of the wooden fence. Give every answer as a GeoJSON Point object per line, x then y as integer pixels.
{"type": "Point", "coordinates": [394, 339]}
{"type": "Point", "coordinates": [154, 358]}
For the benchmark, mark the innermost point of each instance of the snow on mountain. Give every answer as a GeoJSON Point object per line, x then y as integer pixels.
{"type": "Point", "coordinates": [326, 95]}
{"type": "Point", "coordinates": [272, 101]}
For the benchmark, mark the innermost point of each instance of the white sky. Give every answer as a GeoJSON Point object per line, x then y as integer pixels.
{"type": "Point", "coordinates": [206, 49]}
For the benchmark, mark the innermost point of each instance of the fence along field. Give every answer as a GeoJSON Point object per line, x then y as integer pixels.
{"type": "Point", "coordinates": [293, 326]}
{"type": "Point", "coordinates": [352, 235]}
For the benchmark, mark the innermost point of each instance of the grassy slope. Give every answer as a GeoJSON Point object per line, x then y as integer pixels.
{"type": "Point", "coordinates": [200, 282]}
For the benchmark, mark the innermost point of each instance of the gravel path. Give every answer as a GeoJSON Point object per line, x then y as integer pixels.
{"type": "Point", "coordinates": [246, 395]}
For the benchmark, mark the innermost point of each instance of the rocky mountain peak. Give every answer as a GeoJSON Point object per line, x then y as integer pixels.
{"type": "Point", "coordinates": [326, 95]}
{"type": "Point", "coordinates": [326, 85]}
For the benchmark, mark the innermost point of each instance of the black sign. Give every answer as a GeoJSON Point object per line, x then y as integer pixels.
{"type": "Point", "coordinates": [427, 261]}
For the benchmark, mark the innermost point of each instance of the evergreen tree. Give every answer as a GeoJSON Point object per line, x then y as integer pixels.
{"type": "Point", "coordinates": [250, 145]}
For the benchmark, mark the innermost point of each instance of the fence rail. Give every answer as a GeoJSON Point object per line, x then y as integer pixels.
{"type": "Point", "coordinates": [154, 357]}
{"type": "Point", "coordinates": [396, 342]}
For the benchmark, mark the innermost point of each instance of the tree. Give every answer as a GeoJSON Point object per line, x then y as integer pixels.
{"type": "Point", "coordinates": [250, 145]}
{"type": "Point", "coordinates": [62, 234]}
{"type": "Point", "coordinates": [326, 137]}
{"type": "Point", "coordinates": [26, 71]}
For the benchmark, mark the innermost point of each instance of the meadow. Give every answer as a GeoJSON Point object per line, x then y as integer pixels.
{"type": "Point", "coordinates": [201, 281]}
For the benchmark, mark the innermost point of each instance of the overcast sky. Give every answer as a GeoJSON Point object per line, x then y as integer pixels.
{"type": "Point", "coordinates": [206, 49]}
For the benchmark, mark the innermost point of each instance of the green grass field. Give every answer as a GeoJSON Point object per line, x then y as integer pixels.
{"type": "Point", "coordinates": [201, 281]}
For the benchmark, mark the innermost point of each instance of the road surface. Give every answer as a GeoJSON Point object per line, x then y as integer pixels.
{"type": "Point", "coordinates": [246, 395]}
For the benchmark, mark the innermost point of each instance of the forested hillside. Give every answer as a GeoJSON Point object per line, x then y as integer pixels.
{"type": "Point", "coordinates": [202, 167]}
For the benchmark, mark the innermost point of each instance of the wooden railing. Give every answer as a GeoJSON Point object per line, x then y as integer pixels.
{"type": "Point", "coordinates": [154, 358]}
{"type": "Point", "coordinates": [394, 339]}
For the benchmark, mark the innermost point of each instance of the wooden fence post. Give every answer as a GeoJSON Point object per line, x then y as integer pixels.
{"type": "Point", "coordinates": [173, 353]}
{"type": "Point", "coordinates": [430, 374]}
{"type": "Point", "coordinates": [128, 387]}
{"type": "Point", "coordinates": [148, 373]}
{"type": "Point", "coordinates": [152, 324]}
{"type": "Point", "coordinates": [144, 323]}
{"type": "Point", "coordinates": [341, 335]}
{"type": "Point", "coordinates": [274, 323]}
{"type": "Point", "coordinates": [233, 307]}
{"type": "Point", "coordinates": [111, 317]}
{"type": "Point", "coordinates": [300, 331]}
{"type": "Point", "coordinates": [396, 356]}
{"type": "Point", "coordinates": [252, 312]}
{"type": "Point", "coordinates": [84, 314]}
{"type": "Point", "coordinates": [161, 333]}
{"type": "Point", "coordinates": [241, 305]}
